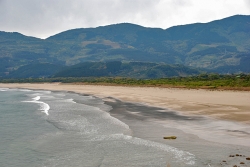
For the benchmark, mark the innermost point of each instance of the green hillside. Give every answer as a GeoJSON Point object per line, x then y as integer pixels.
{"type": "Point", "coordinates": [132, 69]}
{"type": "Point", "coordinates": [37, 70]}
{"type": "Point", "coordinates": [220, 46]}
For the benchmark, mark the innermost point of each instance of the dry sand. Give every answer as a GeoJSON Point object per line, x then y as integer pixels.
{"type": "Point", "coordinates": [228, 105]}
{"type": "Point", "coordinates": [210, 144]}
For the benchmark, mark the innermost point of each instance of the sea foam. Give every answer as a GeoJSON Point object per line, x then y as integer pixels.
{"type": "Point", "coordinates": [3, 89]}
{"type": "Point", "coordinates": [44, 107]}
{"type": "Point", "coordinates": [70, 100]}
{"type": "Point", "coordinates": [179, 155]}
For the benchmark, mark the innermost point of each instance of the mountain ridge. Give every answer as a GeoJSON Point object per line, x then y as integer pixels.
{"type": "Point", "coordinates": [196, 23]}
{"type": "Point", "coordinates": [220, 44]}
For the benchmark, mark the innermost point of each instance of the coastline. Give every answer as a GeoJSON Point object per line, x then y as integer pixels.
{"type": "Point", "coordinates": [210, 145]}
{"type": "Point", "coordinates": [222, 105]}
{"type": "Point", "coordinates": [147, 113]}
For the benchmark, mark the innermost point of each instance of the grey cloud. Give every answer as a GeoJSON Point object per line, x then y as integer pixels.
{"type": "Point", "coordinates": [181, 2]}
{"type": "Point", "coordinates": [247, 3]}
{"type": "Point", "coordinates": [43, 18]}
{"type": "Point", "coordinates": [48, 17]}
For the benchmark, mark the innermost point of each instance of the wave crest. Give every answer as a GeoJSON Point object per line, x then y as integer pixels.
{"type": "Point", "coordinates": [44, 107]}
{"type": "Point", "coordinates": [4, 89]}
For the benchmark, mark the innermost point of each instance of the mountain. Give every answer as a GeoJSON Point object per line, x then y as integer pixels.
{"type": "Point", "coordinates": [17, 50]}
{"type": "Point", "coordinates": [219, 46]}
{"type": "Point", "coordinates": [37, 70]}
{"type": "Point", "coordinates": [131, 69]}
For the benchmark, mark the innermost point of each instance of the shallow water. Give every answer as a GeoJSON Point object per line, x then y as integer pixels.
{"type": "Point", "coordinates": [43, 128]}
{"type": "Point", "coordinates": [210, 140]}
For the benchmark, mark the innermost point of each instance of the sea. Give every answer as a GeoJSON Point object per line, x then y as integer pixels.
{"type": "Point", "coordinates": [41, 128]}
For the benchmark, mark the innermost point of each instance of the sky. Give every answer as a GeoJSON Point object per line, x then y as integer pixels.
{"type": "Point", "coordinates": [43, 18]}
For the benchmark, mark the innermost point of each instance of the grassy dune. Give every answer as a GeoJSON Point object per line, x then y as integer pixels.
{"type": "Point", "coordinates": [203, 81]}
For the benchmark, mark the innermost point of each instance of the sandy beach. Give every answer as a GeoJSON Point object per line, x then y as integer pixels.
{"type": "Point", "coordinates": [225, 105]}
{"type": "Point", "coordinates": [212, 125]}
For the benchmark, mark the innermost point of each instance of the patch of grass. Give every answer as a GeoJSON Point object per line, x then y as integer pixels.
{"type": "Point", "coordinates": [203, 81]}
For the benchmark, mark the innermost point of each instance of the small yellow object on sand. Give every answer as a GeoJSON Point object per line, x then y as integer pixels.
{"type": "Point", "coordinates": [170, 137]}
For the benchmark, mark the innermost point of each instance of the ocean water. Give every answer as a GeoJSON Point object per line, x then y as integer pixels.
{"type": "Point", "coordinates": [44, 128]}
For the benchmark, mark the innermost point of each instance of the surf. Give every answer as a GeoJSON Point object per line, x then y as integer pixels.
{"type": "Point", "coordinates": [44, 107]}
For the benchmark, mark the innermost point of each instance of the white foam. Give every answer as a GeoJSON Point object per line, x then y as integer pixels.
{"type": "Point", "coordinates": [4, 89]}
{"type": "Point", "coordinates": [178, 155]}
{"type": "Point", "coordinates": [25, 90]}
{"type": "Point", "coordinates": [36, 98]}
{"type": "Point", "coordinates": [114, 120]}
{"type": "Point", "coordinates": [70, 100]}
{"type": "Point", "coordinates": [44, 107]}
{"type": "Point", "coordinates": [106, 115]}
{"type": "Point", "coordinates": [183, 156]}
{"type": "Point", "coordinates": [43, 91]}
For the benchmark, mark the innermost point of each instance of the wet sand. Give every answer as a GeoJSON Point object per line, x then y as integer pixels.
{"type": "Point", "coordinates": [153, 123]}
{"type": "Point", "coordinates": [225, 105]}
{"type": "Point", "coordinates": [210, 124]}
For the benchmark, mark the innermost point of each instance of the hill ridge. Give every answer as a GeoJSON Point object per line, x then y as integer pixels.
{"type": "Point", "coordinates": [220, 45]}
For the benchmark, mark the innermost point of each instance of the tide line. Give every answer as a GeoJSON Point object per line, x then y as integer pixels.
{"type": "Point", "coordinates": [44, 107]}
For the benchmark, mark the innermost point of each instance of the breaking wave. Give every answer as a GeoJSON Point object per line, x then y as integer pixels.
{"type": "Point", "coordinates": [44, 107]}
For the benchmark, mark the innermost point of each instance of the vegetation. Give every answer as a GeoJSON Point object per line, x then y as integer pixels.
{"type": "Point", "coordinates": [36, 70]}
{"type": "Point", "coordinates": [203, 81]}
{"type": "Point", "coordinates": [129, 69]}
{"type": "Point", "coordinates": [220, 46]}
{"type": "Point", "coordinates": [102, 69]}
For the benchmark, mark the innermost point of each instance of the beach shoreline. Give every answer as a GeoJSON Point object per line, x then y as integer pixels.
{"type": "Point", "coordinates": [198, 135]}
{"type": "Point", "coordinates": [222, 105]}
{"type": "Point", "coordinates": [152, 113]}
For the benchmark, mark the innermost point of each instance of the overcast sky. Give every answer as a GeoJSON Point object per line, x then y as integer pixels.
{"type": "Point", "coordinates": [43, 18]}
